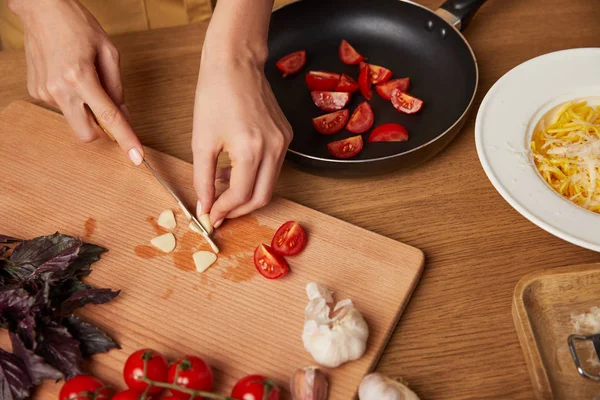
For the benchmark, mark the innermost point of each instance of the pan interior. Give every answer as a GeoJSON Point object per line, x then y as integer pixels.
{"type": "Point", "coordinates": [409, 40]}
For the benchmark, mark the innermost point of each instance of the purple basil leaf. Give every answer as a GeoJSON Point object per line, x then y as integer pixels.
{"type": "Point", "coordinates": [15, 383]}
{"type": "Point", "coordinates": [4, 249]}
{"type": "Point", "coordinates": [37, 368]}
{"type": "Point", "coordinates": [83, 297]}
{"type": "Point", "coordinates": [92, 339]}
{"type": "Point", "coordinates": [17, 314]}
{"type": "Point", "coordinates": [8, 239]}
{"type": "Point", "coordinates": [59, 349]}
{"type": "Point", "coordinates": [53, 268]}
{"type": "Point", "coordinates": [88, 254]}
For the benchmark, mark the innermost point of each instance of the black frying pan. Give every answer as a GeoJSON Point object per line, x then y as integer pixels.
{"type": "Point", "coordinates": [405, 37]}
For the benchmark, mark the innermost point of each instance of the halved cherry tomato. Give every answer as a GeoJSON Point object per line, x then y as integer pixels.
{"type": "Point", "coordinates": [362, 118]}
{"type": "Point", "coordinates": [330, 101]}
{"type": "Point", "coordinates": [331, 123]}
{"type": "Point", "coordinates": [346, 148]}
{"type": "Point", "coordinates": [321, 80]}
{"type": "Point", "coordinates": [348, 54]}
{"type": "Point", "coordinates": [391, 132]}
{"type": "Point", "coordinates": [385, 89]}
{"type": "Point", "coordinates": [292, 63]}
{"type": "Point", "coordinates": [83, 387]}
{"type": "Point", "coordinates": [289, 239]}
{"type": "Point", "coordinates": [346, 84]}
{"type": "Point", "coordinates": [270, 264]}
{"type": "Point", "coordinates": [364, 83]}
{"type": "Point", "coordinates": [156, 370]}
{"type": "Point", "coordinates": [255, 387]}
{"type": "Point", "coordinates": [405, 103]}
{"type": "Point", "coordinates": [192, 373]}
{"type": "Point", "coordinates": [378, 74]}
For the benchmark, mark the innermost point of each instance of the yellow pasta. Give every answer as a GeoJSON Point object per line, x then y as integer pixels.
{"type": "Point", "coordinates": [566, 152]}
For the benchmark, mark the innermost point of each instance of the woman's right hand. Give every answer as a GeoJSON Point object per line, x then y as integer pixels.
{"type": "Point", "coordinates": [70, 63]}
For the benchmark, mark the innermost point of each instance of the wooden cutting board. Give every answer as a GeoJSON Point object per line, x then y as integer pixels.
{"type": "Point", "coordinates": [238, 321]}
{"type": "Point", "coordinates": [542, 305]}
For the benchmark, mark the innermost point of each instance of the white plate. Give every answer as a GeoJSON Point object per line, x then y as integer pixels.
{"type": "Point", "coordinates": [503, 130]}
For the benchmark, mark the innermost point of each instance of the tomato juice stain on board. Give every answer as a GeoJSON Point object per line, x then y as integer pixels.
{"type": "Point", "coordinates": [167, 294]}
{"type": "Point", "coordinates": [159, 230]}
{"type": "Point", "coordinates": [89, 227]}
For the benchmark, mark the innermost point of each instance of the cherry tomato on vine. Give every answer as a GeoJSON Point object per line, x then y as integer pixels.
{"type": "Point", "coordinates": [192, 373]}
{"type": "Point", "coordinates": [254, 387]}
{"type": "Point", "coordinates": [127, 395]}
{"type": "Point", "coordinates": [156, 370]}
{"type": "Point", "coordinates": [84, 387]}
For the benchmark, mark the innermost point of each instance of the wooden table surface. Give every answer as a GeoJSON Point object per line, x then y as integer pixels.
{"type": "Point", "coordinates": [456, 339]}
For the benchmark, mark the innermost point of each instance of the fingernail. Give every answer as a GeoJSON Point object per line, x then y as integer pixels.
{"type": "Point", "coordinates": [198, 209]}
{"type": "Point", "coordinates": [218, 223]}
{"type": "Point", "coordinates": [125, 112]}
{"type": "Point", "coordinates": [136, 156]}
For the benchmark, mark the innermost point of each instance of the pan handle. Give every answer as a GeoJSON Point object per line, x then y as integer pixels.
{"type": "Point", "coordinates": [459, 12]}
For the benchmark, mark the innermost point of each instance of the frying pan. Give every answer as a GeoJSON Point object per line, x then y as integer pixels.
{"type": "Point", "coordinates": [405, 37]}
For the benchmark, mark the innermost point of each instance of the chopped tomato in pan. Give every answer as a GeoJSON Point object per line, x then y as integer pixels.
{"type": "Point", "coordinates": [292, 63]}
{"type": "Point", "coordinates": [331, 123]}
{"type": "Point", "coordinates": [321, 80]}
{"type": "Point", "coordinates": [330, 101]}
{"type": "Point", "coordinates": [348, 54]}
{"type": "Point", "coordinates": [362, 118]}
{"type": "Point", "coordinates": [391, 132]}
{"type": "Point", "coordinates": [346, 148]}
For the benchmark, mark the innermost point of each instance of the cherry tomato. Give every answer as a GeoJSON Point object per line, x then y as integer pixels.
{"type": "Point", "coordinates": [170, 398]}
{"type": "Point", "coordinates": [292, 63]}
{"type": "Point", "coordinates": [385, 89]}
{"type": "Point", "coordinates": [270, 264]}
{"type": "Point", "coordinates": [156, 370]}
{"type": "Point", "coordinates": [346, 148]}
{"type": "Point", "coordinates": [83, 387]}
{"type": "Point", "coordinates": [331, 123]}
{"type": "Point", "coordinates": [192, 373]}
{"type": "Point", "coordinates": [253, 387]}
{"type": "Point", "coordinates": [289, 240]}
{"type": "Point", "coordinates": [348, 54]}
{"type": "Point", "coordinates": [127, 395]}
{"type": "Point", "coordinates": [321, 80]}
{"type": "Point", "coordinates": [330, 101]}
{"type": "Point", "coordinates": [405, 103]}
{"type": "Point", "coordinates": [391, 132]}
{"type": "Point", "coordinates": [362, 118]}
{"type": "Point", "coordinates": [378, 74]}
{"type": "Point", "coordinates": [363, 81]}
{"type": "Point", "coordinates": [346, 84]}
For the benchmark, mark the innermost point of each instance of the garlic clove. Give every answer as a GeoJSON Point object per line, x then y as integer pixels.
{"type": "Point", "coordinates": [309, 383]}
{"type": "Point", "coordinates": [166, 219]}
{"type": "Point", "coordinates": [203, 260]}
{"type": "Point", "coordinates": [376, 386]}
{"type": "Point", "coordinates": [316, 290]}
{"type": "Point", "coordinates": [205, 221]}
{"type": "Point", "coordinates": [164, 242]}
{"type": "Point", "coordinates": [194, 228]}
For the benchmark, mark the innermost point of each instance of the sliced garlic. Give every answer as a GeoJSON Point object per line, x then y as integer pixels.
{"type": "Point", "coordinates": [166, 219]}
{"type": "Point", "coordinates": [204, 219]}
{"type": "Point", "coordinates": [164, 242]}
{"type": "Point", "coordinates": [203, 260]}
{"type": "Point", "coordinates": [332, 341]}
{"type": "Point", "coordinates": [376, 386]}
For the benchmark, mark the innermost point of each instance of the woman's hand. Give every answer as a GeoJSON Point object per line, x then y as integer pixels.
{"type": "Point", "coordinates": [71, 63]}
{"type": "Point", "coordinates": [236, 111]}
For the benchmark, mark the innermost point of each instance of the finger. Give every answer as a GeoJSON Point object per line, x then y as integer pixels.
{"type": "Point", "coordinates": [109, 73]}
{"type": "Point", "coordinates": [31, 74]}
{"type": "Point", "coordinates": [205, 164]}
{"type": "Point", "coordinates": [243, 177]}
{"type": "Point", "coordinates": [87, 86]}
{"type": "Point", "coordinates": [80, 120]}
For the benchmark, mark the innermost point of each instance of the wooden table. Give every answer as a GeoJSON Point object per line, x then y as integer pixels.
{"type": "Point", "coordinates": [456, 339]}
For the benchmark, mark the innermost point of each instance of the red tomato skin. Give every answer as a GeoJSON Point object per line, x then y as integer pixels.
{"type": "Point", "coordinates": [364, 83]}
{"type": "Point", "coordinates": [378, 74]}
{"type": "Point", "coordinates": [340, 149]}
{"type": "Point", "coordinates": [280, 265]}
{"type": "Point", "coordinates": [346, 84]}
{"type": "Point", "coordinates": [330, 101]}
{"type": "Point", "coordinates": [134, 367]}
{"type": "Point", "coordinates": [291, 230]}
{"type": "Point", "coordinates": [391, 132]}
{"type": "Point", "coordinates": [331, 123]}
{"type": "Point", "coordinates": [362, 118]}
{"type": "Point", "coordinates": [292, 63]}
{"type": "Point", "coordinates": [194, 373]}
{"type": "Point", "coordinates": [253, 385]}
{"type": "Point", "coordinates": [322, 81]}
{"type": "Point", "coordinates": [406, 103]}
{"type": "Point", "coordinates": [385, 89]}
{"type": "Point", "coordinates": [84, 387]}
{"type": "Point", "coordinates": [127, 395]}
{"type": "Point", "coordinates": [348, 54]}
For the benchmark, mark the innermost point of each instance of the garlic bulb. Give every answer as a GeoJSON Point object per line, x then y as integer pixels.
{"type": "Point", "coordinates": [376, 386]}
{"type": "Point", "coordinates": [332, 341]}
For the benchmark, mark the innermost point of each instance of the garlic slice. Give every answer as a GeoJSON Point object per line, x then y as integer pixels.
{"type": "Point", "coordinates": [376, 386]}
{"type": "Point", "coordinates": [164, 242]}
{"type": "Point", "coordinates": [166, 219]}
{"type": "Point", "coordinates": [203, 260]}
{"type": "Point", "coordinates": [204, 219]}
{"type": "Point", "coordinates": [332, 341]}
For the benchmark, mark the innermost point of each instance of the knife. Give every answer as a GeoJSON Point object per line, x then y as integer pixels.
{"type": "Point", "coordinates": [183, 208]}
